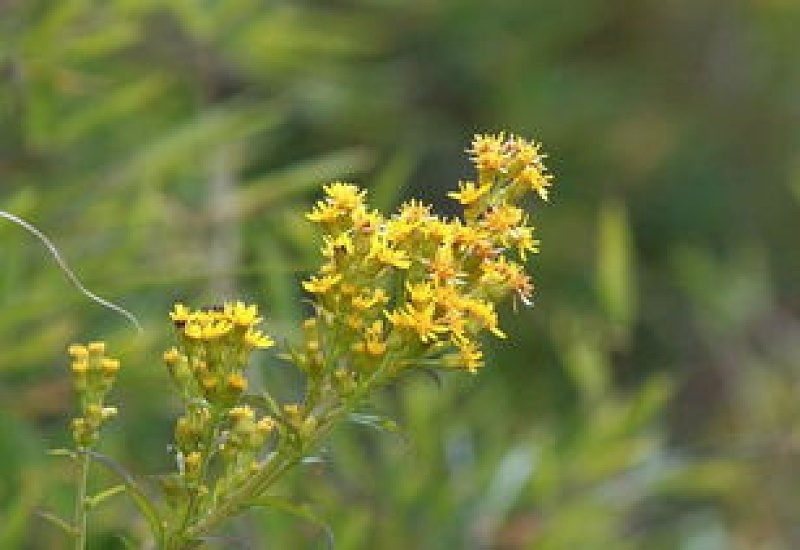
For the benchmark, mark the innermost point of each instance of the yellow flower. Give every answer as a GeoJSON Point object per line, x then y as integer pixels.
{"type": "Point", "coordinates": [373, 343]}
{"type": "Point", "coordinates": [381, 251]}
{"type": "Point", "coordinates": [470, 355]}
{"type": "Point", "coordinates": [488, 152]}
{"type": "Point", "coordinates": [179, 314]}
{"type": "Point", "coordinates": [78, 351]}
{"type": "Point", "coordinates": [533, 177]}
{"type": "Point", "coordinates": [322, 285]}
{"type": "Point", "coordinates": [342, 199]}
{"type": "Point", "coordinates": [486, 316]}
{"type": "Point", "coordinates": [370, 300]}
{"type": "Point", "coordinates": [345, 196]}
{"type": "Point", "coordinates": [399, 230]}
{"type": "Point", "coordinates": [109, 366]}
{"type": "Point", "coordinates": [468, 237]}
{"type": "Point", "coordinates": [469, 193]}
{"type": "Point", "coordinates": [443, 267]}
{"type": "Point", "coordinates": [522, 238]}
{"type": "Point", "coordinates": [365, 221]}
{"type": "Point", "coordinates": [242, 315]}
{"type": "Point", "coordinates": [205, 327]}
{"type": "Point", "coordinates": [339, 246]}
{"type": "Point", "coordinates": [420, 292]}
{"type": "Point", "coordinates": [414, 212]}
{"type": "Point", "coordinates": [256, 339]}
{"type": "Point", "coordinates": [323, 213]}
{"type": "Point", "coordinates": [420, 320]}
{"type": "Point", "coordinates": [172, 356]}
{"type": "Point", "coordinates": [502, 219]}
{"type": "Point", "coordinates": [237, 382]}
{"type": "Point", "coordinates": [96, 348]}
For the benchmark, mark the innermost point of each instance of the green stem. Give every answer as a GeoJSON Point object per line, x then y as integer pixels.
{"type": "Point", "coordinates": [80, 503]}
{"type": "Point", "coordinates": [282, 461]}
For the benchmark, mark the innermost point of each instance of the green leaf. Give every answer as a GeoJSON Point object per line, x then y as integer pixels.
{"type": "Point", "coordinates": [58, 522]}
{"type": "Point", "coordinates": [261, 193]}
{"type": "Point", "coordinates": [302, 511]}
{"type": "Point", "coordinates": [96, 500]}
{"type": "Point", "coordinates": [376, 422]}
{"type": "Point", "coordinates": [14, 518]}
{"type": "Point", "coordinates": [140, 498]}
{"type": "Point", "coordinates": [387, 188]}
{"type": "Point", "coordinates": [616, 282]}
{"type": "Point", "coordinates": [62, 452]}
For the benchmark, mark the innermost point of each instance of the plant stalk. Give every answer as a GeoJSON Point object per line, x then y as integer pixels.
{"type": "Point", "coordinates": [80, 503]}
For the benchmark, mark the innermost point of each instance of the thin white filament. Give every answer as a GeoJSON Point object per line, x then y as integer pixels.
{"type": "Point", "coordinates": [69, 273]}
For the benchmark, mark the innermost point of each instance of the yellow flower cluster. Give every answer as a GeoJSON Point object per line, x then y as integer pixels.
{"type": "Point", "coordinates": [416, 288]}
{"type": "Point", "coordinates": [93, 374]}
{"type": "Point", "coordinates": [208, 366]}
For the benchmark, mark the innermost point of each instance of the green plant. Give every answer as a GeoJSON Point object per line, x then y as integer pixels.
{"type": "Point", "coordinates": [394, 294]}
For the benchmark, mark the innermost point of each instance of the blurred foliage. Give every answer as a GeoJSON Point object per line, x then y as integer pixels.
{"type": "Point", "coordinates": [649, 398]}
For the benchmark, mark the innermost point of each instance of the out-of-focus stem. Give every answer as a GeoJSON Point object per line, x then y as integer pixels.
{"type": "Point", "coordinates": [80, 503]}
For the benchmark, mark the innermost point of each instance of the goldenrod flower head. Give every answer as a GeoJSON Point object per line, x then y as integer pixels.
{"type": "Point", "coordinates": [93, 375]}
{"type": "Point", "coordinates": [345, 196]}
{"type": "Point", "coordinates": [256, 339]}
{"type": "Point", "coordinates": [109, 366]}
{"type": "Point", "coordinates": [382, 252]}
{"type": "Point", "coordinates": [443, 268]}
{"type": "Point", "coordinates": [96, 348]}
{"type": "Point", "coordinates": [532, 177]}
{"type": "Point", "coordinates": [522, 239]}
{"type": "Point", "coordinates": [488, 152]}
{"type": "Point", "coordinates": [468, 356]}
{"type": "Point", "coordinates": [431, 282]}
{"type": "Point", "coordinates": [365, 221]}
{"type": "Point", "coordinates": [421, 292]}
{"type": "Point", "coordinates": [374, 343]}
{"type": "Point", "coordinates": [172, 356]}
{"type": "Point", "coordinates": [338, 246]}
{"type": "Point", "coordinates": [79, 367]}
{"type": "Point", "coordinates": [322, 285]}
{"type": "Point", "coordinates": [523, 151]}
{"type": "Point", "coordinates": [78, 351]}
{"type": "Point", "coordinates": [414, 212]}
{"type": "Point", "coordinates": [370, 299]}
{"type": "Point", "coordinates": [242, 315]}
{"type": "Point", "coordinates": [469, 192]}
{"type": "Point", "coordinates": [237, 382]}
{"type": "Point", "coordinates": [501, 219]}
{"type": "Point", "coordinates": [342, 199]}
{"type": "Point", "coordinates": [420, 320]}
{"type": "Point", "coordinates": [179, 314]}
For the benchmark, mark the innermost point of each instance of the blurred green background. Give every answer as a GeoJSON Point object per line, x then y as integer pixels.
{"type": "Point", "coordinates": [648, 400]}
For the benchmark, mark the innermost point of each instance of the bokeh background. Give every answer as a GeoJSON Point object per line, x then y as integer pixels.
{"type": "Point", "coordinates": [648, 400]}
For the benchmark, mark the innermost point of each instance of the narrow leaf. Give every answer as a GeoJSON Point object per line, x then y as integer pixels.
{"type": "Point", "coordinates": [380, 423]}
{"type": "Point", "coordinates": [58, 522]}
{"type": "Point", "coordinates": [96, 500]}
{"type": "Point", "coordinates": [142, 501]}
{"type": "Point", "coordinates": [62, 452]}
